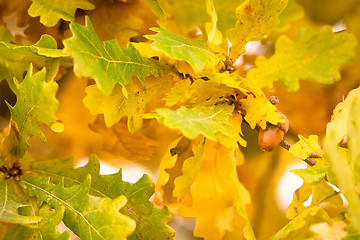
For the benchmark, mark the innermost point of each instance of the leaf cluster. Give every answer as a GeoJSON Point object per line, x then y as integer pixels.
{"type": "Point", "coordinates": [168, 84]}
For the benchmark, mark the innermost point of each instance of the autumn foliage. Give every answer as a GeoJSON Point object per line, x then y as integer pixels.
{"type": "Point", "coordinates": [214, 100]}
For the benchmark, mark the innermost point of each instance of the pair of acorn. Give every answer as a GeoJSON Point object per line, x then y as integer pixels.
{"type": "Point", "coordinates": [273, 134]}
{"type": "Point", "coordinates": [14, 172]}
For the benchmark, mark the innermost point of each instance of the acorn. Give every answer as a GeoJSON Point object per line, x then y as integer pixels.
{"type": "Point", "coordinates": [270, 137]}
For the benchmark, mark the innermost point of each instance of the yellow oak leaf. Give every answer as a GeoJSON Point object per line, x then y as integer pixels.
{"type": "Point", "coordinates": [116, 105]}
{"type": "Point", "coordinates": [259, 111]}
{"type": "Point", "coordinates": [122, 21]}
{"type": "Point", "coordinates": [218, 198]}
{"type": "Point", "coordinates": [181, 150]}
{"type": "Point", "coordinates": [256, 19]}
{"type": "Point", "coordinates": [305, 147]}
{"type": "Point", "coordinates": [118, 141]}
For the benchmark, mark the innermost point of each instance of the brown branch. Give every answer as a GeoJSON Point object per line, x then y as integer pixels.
{"type": "Point", "coordinates": [285, 144]}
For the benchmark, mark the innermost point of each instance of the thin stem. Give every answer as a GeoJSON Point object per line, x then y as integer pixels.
{"type": "Point", "coordinates": [285, 144]}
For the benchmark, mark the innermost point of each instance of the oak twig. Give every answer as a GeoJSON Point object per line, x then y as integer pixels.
{"type": "Point", "coordinates": [285, 144]}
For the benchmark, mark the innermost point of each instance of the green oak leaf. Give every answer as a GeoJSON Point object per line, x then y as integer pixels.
{"type": "Point", "coordinates": [87, 216]}
{"type": "Point", "coordinates": [50, 12]}
{"type": "Point", "coordinates": [209, 121]}
{"type": "Point", "coordinates": [305, 147]}
{"type": "Point", "coordinates": [195, 52]}
{"type": "Point", "coordinates": [150, 220]}
{"type": "Point", "coordinates": [15, 60]}
{"type": "Point", "coordinates": [106, 62]}
{"type": "Point", "coordinates": [47, 229]}
{"type": "Point", "coordinates": [36, 105]}
{"type": "Point", "coordinates": [256, 19]}
{"type": "Point", "coordinates": [116, 105]}
{"type": "Point", "coordinates": [315, 55]}
{"type": "Point", "coordinates": [10, 202]}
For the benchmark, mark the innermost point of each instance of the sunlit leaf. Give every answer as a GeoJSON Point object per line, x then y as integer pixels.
{"type": "Point", "coordinates": [194, 52]}
{"type": "Point", "coordinates": [106, 62]}
{"type": "Point", "coordinates": [314, 55]}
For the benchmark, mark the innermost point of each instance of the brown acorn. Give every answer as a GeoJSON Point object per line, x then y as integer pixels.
{"type": "Point", "coordinates": [270, 137]}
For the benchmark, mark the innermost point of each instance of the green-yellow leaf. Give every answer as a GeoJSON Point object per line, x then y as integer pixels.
{"type": "Point", "coordinates": [116, 105]}
{"type": "Point", "coordinates": [256, 19]}
{"type": "Point", "coordinates": [206, 88]}
{"type": "Point", "coordinates": [15, 60]}
{"type": "Point", "coordinates": [209, 121]}
{"type": "Point", "coordinates": [320, 192]}
{"type": "Point", "coordinates": [305, 147]}
{"type": "Point", "coordinates": [87, 216]}
{"type": "Point", "coordinates": [10, 202]}
{"type": "Point", "coordinates": [298, 227]}
{"type": "Point", "coordinates": [47, 229]}
{"type": "Point", "coordinates": [107, 63]}
{"type": "Point", "coordinates": [150, 220]}
{"type": "Point", "coordinates": [343, 165]}
{"type": "Point", "coordinates": [195, 52]}
{"type": "Point", "coordinates": [312, 175]}
{"type": "Point", "coordinates": [259, 111]}
{"type": "Point", "coordinates": [50, 12]}
{"type": "Point", "coordinates": [36, 105]}
{"type": "Point", "coordinates": [338, 124]}
{"type": "Point", "coordinates": [314, 55]}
